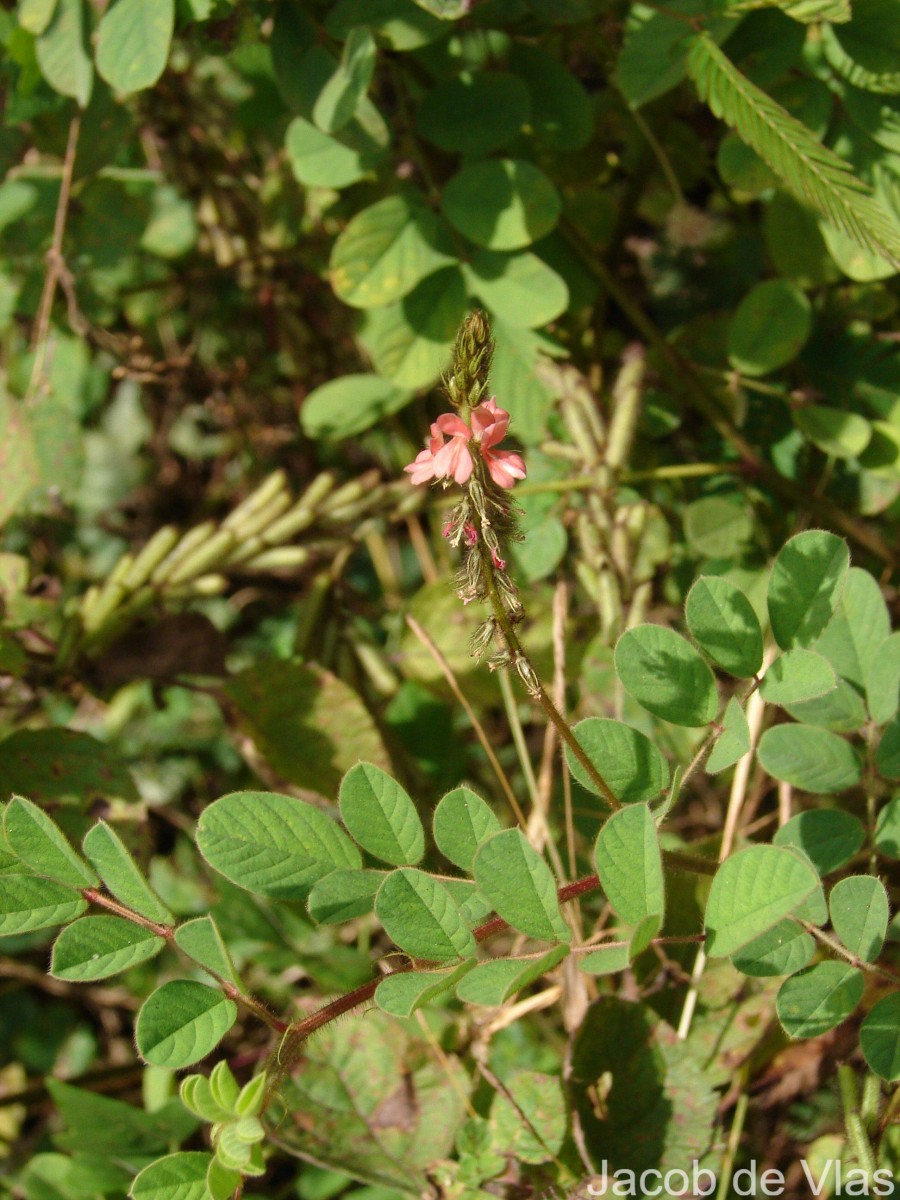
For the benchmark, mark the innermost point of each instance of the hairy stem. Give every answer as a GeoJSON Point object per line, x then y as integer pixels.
{"type": "Point", "coordinates": [516, 650]}
{"type": "Point", "coordinates": [230, 989]}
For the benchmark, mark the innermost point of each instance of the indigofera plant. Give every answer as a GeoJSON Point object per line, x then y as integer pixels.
{"type": "Point", "coordinates": [807, 905]}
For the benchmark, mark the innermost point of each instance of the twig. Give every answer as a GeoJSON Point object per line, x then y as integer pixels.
{"type": "Point", "coordinates": [55, 261]}
{"type": "Point", "coordinates": [518, 655]}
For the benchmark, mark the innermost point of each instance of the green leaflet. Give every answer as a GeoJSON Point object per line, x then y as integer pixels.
{"type": "Point", "coordinates": [180, 1176]}
{"type": "Point", "coordinates": [380, 815]}
{"type": "Point", "coordinates": [517, 881]}
{"type": "Point", "coordinates": [344, 895]}
{"type": "Point", "coordinates": [35, 839]}
{"type": "Point", "coordinates": [348, 405]}
{"type": "Point", "coordinates": [859, 915]}
{"type": "Point", "coordinates": [666, 675]}
{"type": "Point", "coordinates": [339, 98]}
{"type": "Point", "coordinates": [493, 983]}
{"type": "Point", "coordinates": [202, 941]}
{"type": "Point", "coordinates": [273, 845]}
{"type": "Point", "coordinates": [181, 1022]}
{"type": "Point", "coordinates": [629, 865]}
{"type": "Point", "coordinates": [121, 874]}
{"type": "Point", "coordinates": [133, 41]}
{"type": "Point", "coordinates": [717, 527]}
{"type": "Point", "coordinates": [723, 623]}
{"type": "Point", "coordinates": [770, 327]}
{"type": "Point", "coordinates": [781, 950]}
{"type": "Point", "coordinates": [501, 203]}
{"type": "Point", "coordinates": [410, 342]}
{"type": "Point", "coordinates": [632, 766]}
{"type": "Point", "coordinates": [879, 1037]}
{"type": "Point", "coordinates": [734, 740]}
{"type": "Point", "coordinates": [420, 915]}
{"type": "Point", "coordinates": [807, 579]}
{"type": "Point", "coordinates": [796, 676]}
{"type": "Point", "coordinates": [97, 947]}
{"type": "Point", "coordinates": [752, 891]}
{"type": "Point", "coordinates": [63, 53]}
{"type": "Point", "coordinates": [813, 759]}
{"type": "Point", "coordinates": [474, 114]}
{"type": "Point", "coordinates": [462, 821]}
{"type": "Point", "coordinates": [387, 249]}
{"type": "Point", "coordinates": [401, 994]}
{"type": "Point", "coordinates": [28, 903]}
{"type": "Point", "coordinates": [818, 998]}
{"type": "Point", "coordinates": [829, 836]}
{"type": "Point", "coordinates": [519, 287]}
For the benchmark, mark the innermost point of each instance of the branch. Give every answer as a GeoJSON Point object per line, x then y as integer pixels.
{"type": "Point", "coordinates": [56, 265]}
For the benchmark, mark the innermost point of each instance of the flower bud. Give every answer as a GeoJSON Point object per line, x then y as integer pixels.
{"type": "Point", "coordinates": [472, 357]}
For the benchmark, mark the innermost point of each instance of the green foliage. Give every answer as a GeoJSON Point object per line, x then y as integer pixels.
{"type": "Point", "coordinates": [272, 845]}
{"type": "Point", "coordinates": [666, 675]}
{"type": "Point", "coordinates": [381, 817]}
{"type": "Point", "coordinates": [519, 885]}
{"type": "Point", "coordinates": [813, 173]}
{"type": "Point", "coordinates": [181, 1022]}
{"type": "Point", "coordinates": [629, 865]}
{"type": "Point", "coordinates": [817, 998]}
{"type": "Point", "coordinates": [752, 891]}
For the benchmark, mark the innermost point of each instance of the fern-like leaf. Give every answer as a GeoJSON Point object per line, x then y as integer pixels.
{"type": "Point", "coordinates": [809, 170]}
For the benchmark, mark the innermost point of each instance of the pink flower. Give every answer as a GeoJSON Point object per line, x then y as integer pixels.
{"type": "Point", "coordinates": [422, 469]}
{"type": "Point", "coordinates": [448, 456]}
{"type": "Point", "coordinates": [454, 459]}
{"type": "Point", "coordinates": [444, 459]}
{"type": "Point", "coordinates": [489, 423]}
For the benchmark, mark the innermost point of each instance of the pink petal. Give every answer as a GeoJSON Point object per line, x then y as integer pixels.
{"type": "Point", "coordinates": [453, 425]}
{"type": "Point", "coordinates": [423, 468]}
{"type": "Point", "coordinates": [490, 422]}
{"type": "Point", "coordinates": [463, 469]}
{"type": "Point", "coordinates": [505, 467]}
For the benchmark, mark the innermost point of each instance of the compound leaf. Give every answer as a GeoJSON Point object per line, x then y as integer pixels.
{"type": "Point", "coordinates": [810, 171]}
